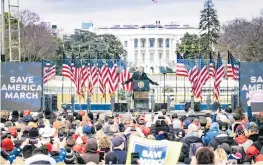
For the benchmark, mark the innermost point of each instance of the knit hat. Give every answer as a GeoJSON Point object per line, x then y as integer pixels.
{"type": "Point", "coordinates": [111, 158]}
{"type": "Point", "coordinates": [7, 144]}
{"type": "Point", "coordinates": [15, 113]}
{"type": "Point", "coordinates": [179, 132]}
{"type": "Point", "coordinates": [146, 131]}
{"type": "Point", "coordinates": [117, 141]}
{"type": "Point", "coordinates": [33, 133]}
{"type": "Point", "coordinates": [26, 113]}
{"type": "Point", "coordinates": [27, 119]}
{"type": "Point", "coordinates": [86, 129]}
{"type": "Point", "coordinates": [92, 145]}
{"type": "Point", "coordinates": [32, 124]}
{"type": "Point", "coordinates": [251, 151]}
{"type": "Point", "coordinates": [47, 131]}
{"type": "Point", "coordinates": [239, 130]}
{"type": "Point", "coordinates": [226, 147]}
{"type": "Point", "coordinates": [8, 124]}
{"type": "Point", "coordinates": [70, 141]}
{"type": "Point", "coordinates": [223, 126]}
{"type": "Point", "coordinates": [13, 131]}
{"type": "Point", "coordinates": [70, 157]}
{"type": "Point", "coordinates": [49, 147]}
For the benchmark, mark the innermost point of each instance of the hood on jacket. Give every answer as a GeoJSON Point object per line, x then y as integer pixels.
{"type": "Point", "coordinates": [224, 139]}
{"type": "Point", "coordinates": [214, 127]}
{"type": "Point", "coordinates": [191, 139]}
{"type": "Point", "coordinates": [92, 145]}
{"type": "Point", "coordinates": [241, 139]}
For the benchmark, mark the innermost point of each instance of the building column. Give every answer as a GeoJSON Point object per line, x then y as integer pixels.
{"type": "Point", "coordinates": [139, 50]}
{"type": "Point", "coordinates": [156, 55]}
{"type": "Point", "coordinates": [170, 48]}
{"type": "Point", "coordinates": [147, 55]}
{"type": "Point", "coordinates": [131, 56]}
{"type": "Point", "coordinates": [164, 48]}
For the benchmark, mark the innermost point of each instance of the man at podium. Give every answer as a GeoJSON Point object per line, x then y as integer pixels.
{"type": "Point", "coordinates": [139, 75]}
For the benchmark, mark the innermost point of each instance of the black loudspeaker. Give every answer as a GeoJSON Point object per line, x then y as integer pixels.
{"type": "Point", "coordinates": [216, 105]}
{"type": "Point", "coordinates": [54, 102]}
{"type": "Point", "coordinates": [234, 102]}
{"type": "Point", "coordinates": [187, 105]}
{"type": "Point", "coordinates": [197, 107]}
{"type": "Point", "coordinates": [159, 106]}
{"type": "Point", "coordinates": [120, 107]}
{"type": "Point", "coordinates": [47, 102]}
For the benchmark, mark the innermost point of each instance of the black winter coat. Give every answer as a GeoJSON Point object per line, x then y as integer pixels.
{"type": "Point", "coordinates": [220, 140]}
{"type": "Point", "coordinates": [184, 156]}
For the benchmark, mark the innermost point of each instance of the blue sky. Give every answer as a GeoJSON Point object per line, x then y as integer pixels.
{"type": "Point", "coordinates": [69, 14]}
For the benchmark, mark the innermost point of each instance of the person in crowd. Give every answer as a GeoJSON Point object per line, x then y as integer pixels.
{"type": "Point", "coordinates": [253, 131]}
{"type": "Point", "coordinates": [111, 158]}
{"type": "Point", "coordinates": [223, 137]}
{"type": "Point", "coordinates": [204, 155]}
{"type": "Point", "coordinates": [241, 138]}
{"type": "Point", "coordinates": [257, 147]}
{"type": "Point", "coordinates": [221, 156]}
{"type": "Point", "coordinates": [104, 144]}
{"type": "Point", "coordinates": [213, 132]}
{"type": "Point", "coordinates": [177, 123]}
{"type": "Point", "coordinates": [118, 149]}
{"type": "Point", "coordinates": [91, 152]}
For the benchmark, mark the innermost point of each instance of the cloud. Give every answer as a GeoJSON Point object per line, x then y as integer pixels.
{"type": "Point", "coordinates": [69, 14]}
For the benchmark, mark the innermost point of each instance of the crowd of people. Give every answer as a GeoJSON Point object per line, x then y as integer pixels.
{"type": "Point", "coordinates": [220, 138]}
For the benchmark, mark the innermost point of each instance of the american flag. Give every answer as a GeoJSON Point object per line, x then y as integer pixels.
{"type": "Point", "coordinates": [84, 73]}
{"type": "Point", "coordinates": [235, 67]}
{"type": "Point", "coordinates": [180, 66]}
{"type": "Point", "coordinates": [66, 68]}
{"type": "Point", "coordinates": [77, 74]}
{"type": "Point", "coordinates": [49, 71]}
{"type": "Point", "coordinates": [193, 74]}
{"type": "Point", "coordinates": [212, 70]}
{"type": "Point", "coordinates": [220, 74]}
{"type": "Point", "coordinates": [202, 77]}
{"type": "Point", "coordinates": [103, 76]}
{"type": "Point", "coordinates": [113, 76]}
{"type": "Point", "coordinates": [125, 75]}
{"type": "Point", "coordinates": [92, 75]}
{"type": "Point", "coordinates": [230, 73]}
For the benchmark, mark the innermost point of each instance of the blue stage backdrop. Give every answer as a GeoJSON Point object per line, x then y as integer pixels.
{"type": "Point", "coordinates": [21, 86]}
{"type": "Point", "coordinates": [251, 80]}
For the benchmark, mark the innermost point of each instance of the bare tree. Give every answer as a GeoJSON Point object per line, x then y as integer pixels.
{"type": "Point", "coordinates": [37, 39]}
{"type": "Point", "coordinates": [243, 38]}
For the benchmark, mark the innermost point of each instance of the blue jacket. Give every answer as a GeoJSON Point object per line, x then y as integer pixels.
{"type": "Point", "coordinates": [213, 132]}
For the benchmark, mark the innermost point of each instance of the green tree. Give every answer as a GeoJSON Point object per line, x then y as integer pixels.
{"type": "Point", "coordinates": [88, 45]}
{"type": "Point", "coordinates": [209, 26]}
{"type": "Point", "coordinates": [190, 43]}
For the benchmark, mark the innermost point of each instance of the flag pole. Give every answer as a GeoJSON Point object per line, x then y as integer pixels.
{"type": "Point", "coordinates": [43, 99]}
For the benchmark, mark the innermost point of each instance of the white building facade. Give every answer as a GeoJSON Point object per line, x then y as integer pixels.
{"type": "Point", "coordinates": [150, 45]}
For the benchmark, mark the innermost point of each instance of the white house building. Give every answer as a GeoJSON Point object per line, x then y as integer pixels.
{"type": "Point", "coordinates": [153, 45]}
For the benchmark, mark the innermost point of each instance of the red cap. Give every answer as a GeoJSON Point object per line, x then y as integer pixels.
{"type": "Point", "coordinates": [259, 158]}
{"type": "Point", "coordinates": [26, 112]}
{"type": "Point", "coordinates": [251, 151]}
{"type": "Point", "coordinates": [146, 131]}
{"type": "Point", "coordinates": [13, 131]}
{"type": "Point", "coordinates": [49, 147]}
{"type": "Point", "coordinates": [7, 144]}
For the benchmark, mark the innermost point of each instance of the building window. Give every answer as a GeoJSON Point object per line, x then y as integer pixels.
{"type": "Point", "coordinates": [167, 56]}
{"type": "Point", "coordinates": [167, 44]}
{"type": "Point", "coordinates": [152, 57]}
{"type": "Point", "coordinates": [143, 43]}
{"type": "Point", "coordinates": [125, 44]}
{"type": "Point", "coordinates": [136, 43]}
{"type": "Point", "coordinates": [151, 42]}
{"type": "Point", "coordinates": [160, 56]}
{"type": "Point", "coordinates": [160, 43]}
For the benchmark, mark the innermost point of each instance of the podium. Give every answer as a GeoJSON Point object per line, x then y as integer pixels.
{"type": "Point", "coordinates": [141, 95]}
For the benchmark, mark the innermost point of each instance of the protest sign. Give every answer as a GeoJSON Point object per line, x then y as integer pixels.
{"type": "Point", "coordinates": [21, 86]}
{"type": "Point", "coordinates": [153, 152]}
